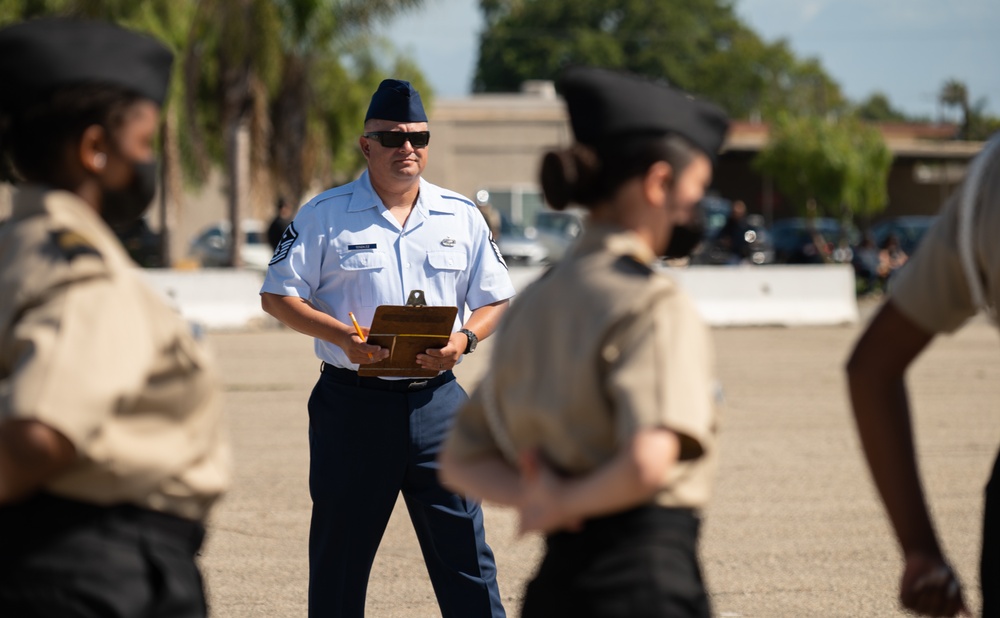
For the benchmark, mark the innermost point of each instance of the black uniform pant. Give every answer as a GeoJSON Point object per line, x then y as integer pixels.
{"type": "Point", "coordinates": [637, 564]}
{"type": "Point", "coordinates": [989, 568]}
{"type": "Point", "coordinates": [367, 445]}
{"type": "Point", "coordinates": [65, 559]}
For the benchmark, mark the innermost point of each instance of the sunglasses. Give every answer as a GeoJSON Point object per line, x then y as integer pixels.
{"type": "Point", "coordinates": [396, 139]}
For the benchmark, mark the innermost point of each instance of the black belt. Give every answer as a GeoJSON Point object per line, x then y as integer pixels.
{"type": "Point", "coordinates": [351, 378]}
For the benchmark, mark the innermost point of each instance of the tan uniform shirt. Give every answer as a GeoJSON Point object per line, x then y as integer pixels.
{"type": "Point", "coordinates": [599, 348]}
{"type": "Point", "coordinates": [932, 289]}
{"type": "Point", "coordinates": [91, 351]}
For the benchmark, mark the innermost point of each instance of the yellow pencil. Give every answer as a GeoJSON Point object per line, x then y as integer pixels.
{"type": "Point", "coordinates": [360, 332]}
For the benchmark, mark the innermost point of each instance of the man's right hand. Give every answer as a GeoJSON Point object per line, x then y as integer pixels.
{"type": "Point", "coordinates": [360, 352]}
{"type": "Point", "coordinates": [929, 587]}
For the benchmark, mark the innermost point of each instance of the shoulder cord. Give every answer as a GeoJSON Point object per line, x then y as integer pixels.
{"type": "Point", "coordinates": [491, 408]}
{"type": "Point", "coordinates": [966, 223]}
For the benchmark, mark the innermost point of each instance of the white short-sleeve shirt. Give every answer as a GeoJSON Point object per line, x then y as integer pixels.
{"type": "Point", "coordinates": [346, 252]}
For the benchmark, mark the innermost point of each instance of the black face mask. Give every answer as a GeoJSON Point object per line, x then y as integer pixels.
{"type": "Point", "coordinates": [685, 238]}
{"type": "Point", "coordinates": [121, 207]}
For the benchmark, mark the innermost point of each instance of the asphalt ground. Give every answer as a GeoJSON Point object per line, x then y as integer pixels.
{"type": "Point", "coordinates": [794, 527]}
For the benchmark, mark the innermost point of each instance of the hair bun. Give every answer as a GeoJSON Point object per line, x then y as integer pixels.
{"type": "Point", "coordinates": [569, 176]}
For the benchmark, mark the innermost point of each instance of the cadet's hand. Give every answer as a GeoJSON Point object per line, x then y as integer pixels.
{"type": "Point", "coordinates": [358, 351]}
{"type": "Point", "coordinates": [540, 506]}
{"type": "Point", "coordinates": [930, 587]}
{"type": "Point", "coordinates": [447, 357]}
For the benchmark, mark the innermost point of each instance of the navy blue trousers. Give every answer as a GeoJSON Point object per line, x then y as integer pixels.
{"type": "Point", "coordinates": [366, 447]}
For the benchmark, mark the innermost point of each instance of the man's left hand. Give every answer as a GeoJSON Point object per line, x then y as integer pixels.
{"type": "Point", "coordinates": [447, 357]}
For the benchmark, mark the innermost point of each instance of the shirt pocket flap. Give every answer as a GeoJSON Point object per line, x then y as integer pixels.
{"type": "Point", "coordinates": [363, 260]}
{"type": "Point", "coordinates": [447, 260]}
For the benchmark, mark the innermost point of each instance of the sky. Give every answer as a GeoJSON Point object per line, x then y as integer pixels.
{"type": "Point", "coordinates": [904, 48]}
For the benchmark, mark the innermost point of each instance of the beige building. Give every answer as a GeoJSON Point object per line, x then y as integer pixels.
{"type": "Point", "coordinates": [495, 142]}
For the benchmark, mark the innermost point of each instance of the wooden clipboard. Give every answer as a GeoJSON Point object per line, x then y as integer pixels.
{"type": "Point", "coordinates": [407, 331]}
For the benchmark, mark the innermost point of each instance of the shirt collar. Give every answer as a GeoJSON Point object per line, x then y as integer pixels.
{"type": "Point", "coordinates": [616, 240]}
{"type": "Point", "coordinates": [428, 200]}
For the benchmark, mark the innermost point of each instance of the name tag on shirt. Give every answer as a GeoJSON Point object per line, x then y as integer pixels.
{"type": "Point", "coordinates": [360, 247]}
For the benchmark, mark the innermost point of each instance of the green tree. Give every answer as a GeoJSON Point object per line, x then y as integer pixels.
{"type": "Point", "coordinates": [841, 164]}
{"type": "Point", "coordinates": [283, 67]}
{"type": "Point", "coordinates": [698, 45]}
{"type": "Point", "coordinates": [878, 108]}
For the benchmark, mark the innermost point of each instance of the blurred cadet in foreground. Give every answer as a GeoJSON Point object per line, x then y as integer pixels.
{"type": "Point", "coordinates": [111, 447]}
{"type": "Point", "coordinates": [597, 420]}
{"type": "Point", "coordinates": [952, 276]}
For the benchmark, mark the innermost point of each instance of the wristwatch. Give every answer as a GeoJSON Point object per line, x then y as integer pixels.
{"type": "Point", "coordinates": [473, 340]}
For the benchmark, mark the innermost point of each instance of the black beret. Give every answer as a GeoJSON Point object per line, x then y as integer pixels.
{"type": "Point", "coordinates": [40, 56]}
{"type": "Point", "coordinates": [398, 101]}
{"type": "Point", "coordinates": [608, 108]}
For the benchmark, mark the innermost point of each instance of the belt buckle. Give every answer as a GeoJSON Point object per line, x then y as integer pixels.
{"type": "Point", "coordinates": [416, 385]}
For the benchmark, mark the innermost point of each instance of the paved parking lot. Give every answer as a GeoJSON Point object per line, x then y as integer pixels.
{"type": "Point", "coordinates": [794, 528]}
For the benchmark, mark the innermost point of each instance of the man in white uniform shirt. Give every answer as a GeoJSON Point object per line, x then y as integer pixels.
{"type": "Point", "coordinates": [350, 249]}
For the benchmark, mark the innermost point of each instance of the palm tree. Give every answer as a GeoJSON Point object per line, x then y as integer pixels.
{"type": "Point", "coordinates": [955, 94]}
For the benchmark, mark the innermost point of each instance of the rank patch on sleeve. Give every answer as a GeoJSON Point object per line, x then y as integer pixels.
{"type": "Point", "coordinates": [285, 244]}
{"type": "Point", "coordinates": [72, 245]}
{"type": "Point", "coordinates": [496, 250]}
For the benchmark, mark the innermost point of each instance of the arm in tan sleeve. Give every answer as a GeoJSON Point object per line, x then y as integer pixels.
{"type": "Point", "coordinates": [661, 374]}
{"type": "Point", "coordinates": [471, 463]}
{"type": "Point", "coordinates": [79, 354]}
{"type": "Point", "coordinates": [930, 289]}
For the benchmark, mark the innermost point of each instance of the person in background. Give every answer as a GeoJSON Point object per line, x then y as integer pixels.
{"type": "Point", "coordinates": [112, 449]}
{"type": "Point", "coordinates": [953, 275]}
{"type": "Point", "coordinates": [865, 259]}
{"type": "Point", "coordinates": [349, 250]}
{"type": "Point", "coordinates": [597, 419]}
{"type": "Point", "coordinates": [733, 235]}
{"type": "Point", "coordinates": [282, 217]}
{"type": "Point", "coordinates": [891, 258]}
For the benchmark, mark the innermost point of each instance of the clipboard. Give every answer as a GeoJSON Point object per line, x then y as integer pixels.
{"type": "Point", "coordinates": [408, 330]}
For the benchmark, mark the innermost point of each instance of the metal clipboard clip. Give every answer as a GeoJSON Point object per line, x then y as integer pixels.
{"type": "Point", "coordinates": [416, 299]}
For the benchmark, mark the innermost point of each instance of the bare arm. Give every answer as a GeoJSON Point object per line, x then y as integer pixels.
{"type": "Point", "coordinates": [549, 503]}
{"type": "Point", "coordinates": [31, 454]}
{"type": "Point", "coordinates": [299, 314]}
{"type": "Point", "coordinates": [483, 321]}
{"type": "Point", "coordinates": [491, 479]}
{"type": "Point", "coordinates": [878, 393]}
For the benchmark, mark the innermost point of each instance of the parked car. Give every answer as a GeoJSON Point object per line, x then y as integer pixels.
{"type": "Point", "coordinates": [211, 247]}
{"type": "Point", "coordinates": [519, 245]}
{"type": "Point", "coordinates": [715, 211]}
{"type": "Point", "coordinates": [907, 229]}
{"type": "Point", "coordinates": [819, 240]}
{"type": "Point", "coordinates": [557, 230]}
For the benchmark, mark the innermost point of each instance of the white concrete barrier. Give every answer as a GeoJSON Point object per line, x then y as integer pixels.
{"type": "Point", "coordinates": [800, 295]}
{"type": "Point", "coordinates": [215, 298]}
{"type": "Point", "coordinates": [725, 295]}
{"type": "Point", "coordinates": [771, 295]}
